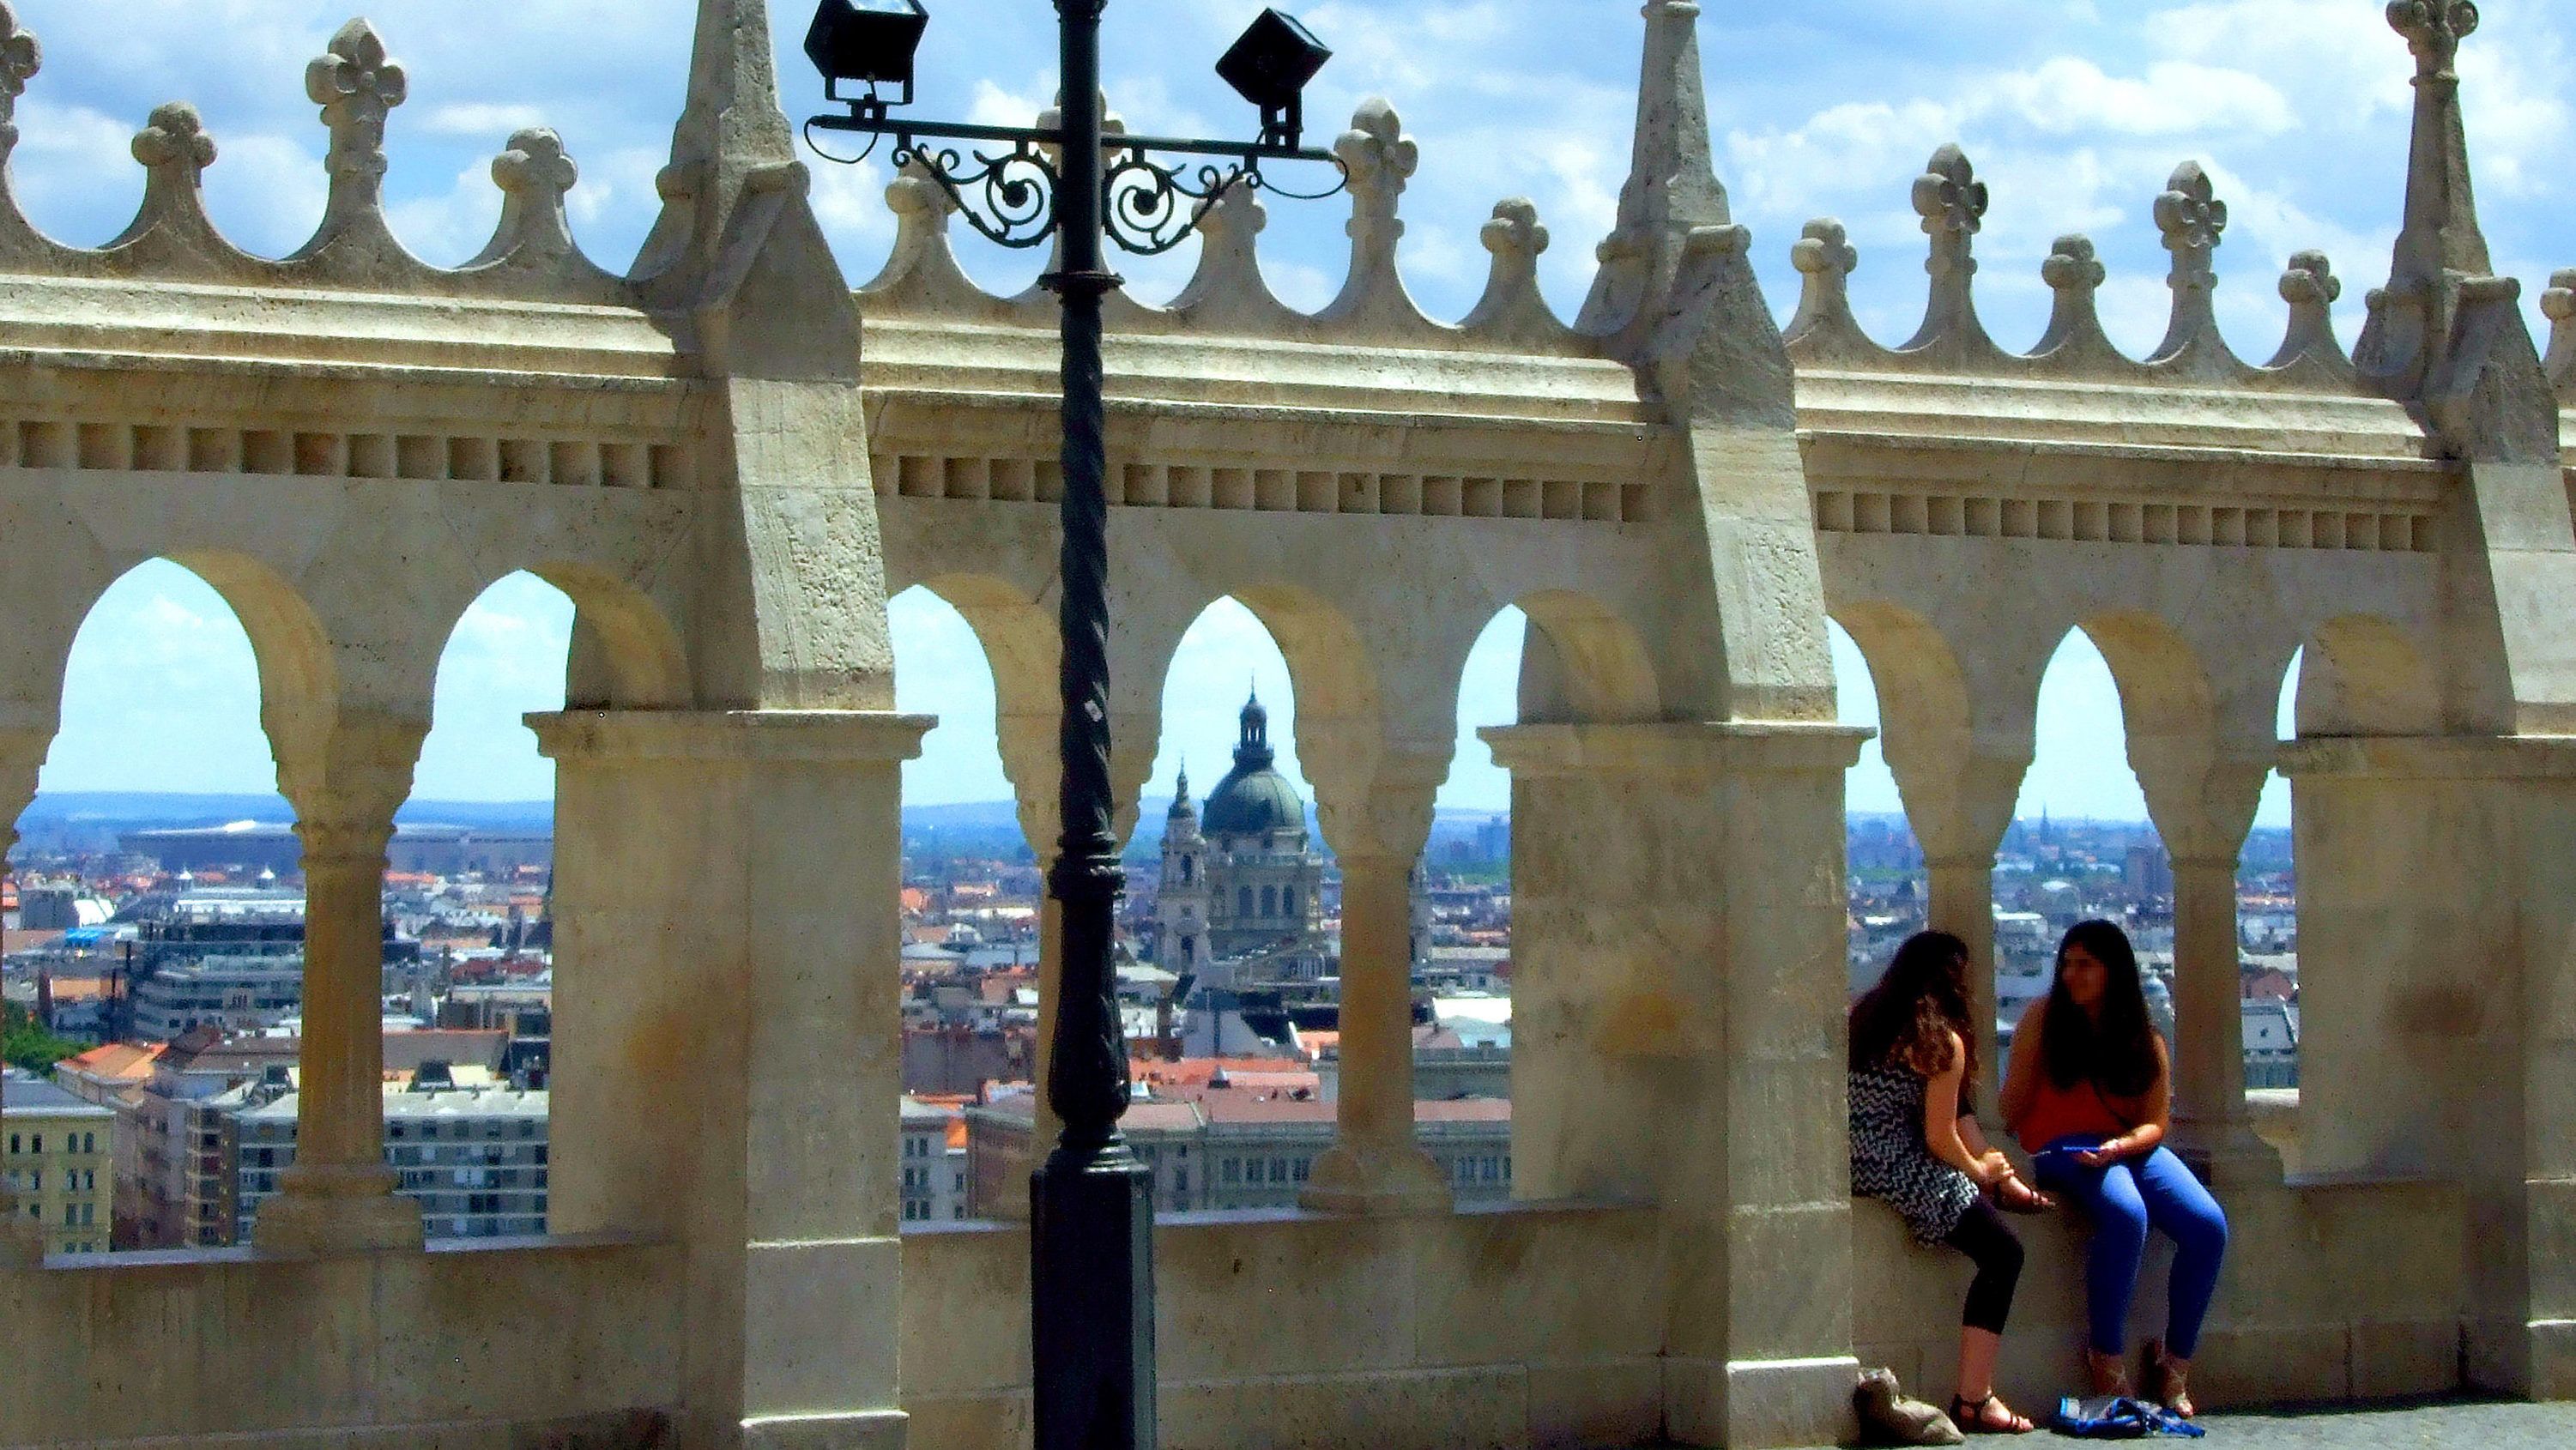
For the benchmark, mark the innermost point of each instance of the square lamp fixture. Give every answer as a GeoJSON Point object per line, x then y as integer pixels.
{"type": "Point", "coordinates": [868, 43]}
{"type": "Point", "coordinates": [1270, 67]}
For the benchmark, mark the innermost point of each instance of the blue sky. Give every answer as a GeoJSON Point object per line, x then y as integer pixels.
{"type": "Point", "coordinates": [2074, 111]}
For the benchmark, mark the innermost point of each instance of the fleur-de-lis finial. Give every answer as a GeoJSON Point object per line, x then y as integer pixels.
{"type": "Point", "coordinates": [20, 58]}
{"type": "Point", "coordinates": [1380, 159]}
{"type": "Point", "coordinates": [1952, 202]}
{"type": "Point", "coordinates": [2193, 221]}
{"type": "Point", "coordinates": [357, 85]}
{"type": "Point", "coordinates": [2434, 30]}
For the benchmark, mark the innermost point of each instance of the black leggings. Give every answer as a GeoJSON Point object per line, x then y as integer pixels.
{"type": "Point", "coordinates": [1990, 1243]}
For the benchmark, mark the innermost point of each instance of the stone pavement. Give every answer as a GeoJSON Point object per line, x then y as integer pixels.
{"type": "Point", "coordinates": [2444, 1425]}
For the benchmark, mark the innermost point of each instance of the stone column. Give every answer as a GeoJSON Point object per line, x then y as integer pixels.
{"type": "Point", "coordinates": [1960, 803]}
{"type": "Point", "coordinates": [2437, 899]}
{"type": "Point", "coordinates": [2203, 805]}
{"type": "Point", "coordinates": [1678, 1000]}
{"type": "Point", "coordinates": [1377, 822]}
{"type": "Point", "coordinates": [727, 1053]}
{"type": "Point", "coordinates": [22, 756]}
{"type": "Point", "coordinates": [339, 1198]}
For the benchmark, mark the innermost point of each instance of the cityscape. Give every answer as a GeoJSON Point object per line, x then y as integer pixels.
{"type": "Point", "coordinates": [154, 980]}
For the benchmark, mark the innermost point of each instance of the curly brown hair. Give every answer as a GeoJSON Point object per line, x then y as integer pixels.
{"type": "Point", "coordinates": [1910, 1016]}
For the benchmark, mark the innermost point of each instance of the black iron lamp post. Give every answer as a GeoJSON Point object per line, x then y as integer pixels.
{"type": "Point", "coordinates": [1091, 1204]}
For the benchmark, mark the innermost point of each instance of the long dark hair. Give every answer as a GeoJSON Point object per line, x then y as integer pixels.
{"type": "Point", "coordinates": [1907, 1017]}
{"type": "Point", "coordinates": [2116, 1052]}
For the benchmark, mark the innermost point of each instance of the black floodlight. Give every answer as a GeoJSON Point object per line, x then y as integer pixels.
{"type": "Point", "coordinates": [867, 43]}
{"type": "Point", "coordinates": [1270, 67]}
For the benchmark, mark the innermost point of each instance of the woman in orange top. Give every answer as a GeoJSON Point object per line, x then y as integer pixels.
{"type": "Point", "coordinates": [2089, 1092]}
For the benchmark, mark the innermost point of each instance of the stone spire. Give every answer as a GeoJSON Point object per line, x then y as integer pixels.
{"type": "Point", "coordinates": [2441, 232]}
{"type": "Point", "coordinates": [1672, 182]}
{"type": "Point", "coordinates": [731, 131]}
{"type": "Point", "coordinates": [2440, 246]}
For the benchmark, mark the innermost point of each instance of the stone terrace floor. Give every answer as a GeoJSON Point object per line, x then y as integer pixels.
{"type": "Point", "coordinates": [2450, 1425]}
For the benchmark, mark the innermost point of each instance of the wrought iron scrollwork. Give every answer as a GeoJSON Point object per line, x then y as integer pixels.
{"type": "Point", "coordinates": [1149, 208]}
{"type": "Point", "coordinates": [1009, 198]}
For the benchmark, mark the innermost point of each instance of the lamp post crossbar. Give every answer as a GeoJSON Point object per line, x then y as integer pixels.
{"type": "Point", "coordinates": [1148, 207]}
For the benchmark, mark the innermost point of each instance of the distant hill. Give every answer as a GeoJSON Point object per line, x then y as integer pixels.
{"type": "Point", "coordinates": [152, 810]}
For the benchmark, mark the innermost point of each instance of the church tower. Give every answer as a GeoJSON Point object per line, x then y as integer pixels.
{"type": "Point", "coordinates": [1181, 900]}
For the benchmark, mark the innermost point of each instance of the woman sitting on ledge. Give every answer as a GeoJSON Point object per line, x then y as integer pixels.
{"type": "Point", "coordinates": [1915, 1144]}
{"type": "Point", "coordinates": [2089, 1093]}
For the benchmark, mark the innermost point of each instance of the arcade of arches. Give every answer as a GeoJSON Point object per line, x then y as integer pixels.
{"type": "Point", "coordinates": [730, 459]}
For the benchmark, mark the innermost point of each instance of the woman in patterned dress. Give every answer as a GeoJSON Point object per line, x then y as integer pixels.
{"type": "Point", "coordinates": [1915, 1145]}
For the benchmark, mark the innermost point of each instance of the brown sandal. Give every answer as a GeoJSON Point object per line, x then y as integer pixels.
{"type": "Point", "coordinates": [2168, 1381]}
{"type": "Point", "coordinates": [2108, 1375]}
{"type": "Point", "coordinates": [1970, 1417]}
{"type": "Point", "coordinates": [2031, 1201]}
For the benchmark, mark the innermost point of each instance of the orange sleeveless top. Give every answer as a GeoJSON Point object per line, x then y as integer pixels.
{"type": "Point", "coordinates": [2058, 1112]}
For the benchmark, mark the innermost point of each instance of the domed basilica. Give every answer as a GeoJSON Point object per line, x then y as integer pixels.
{"type": "Point", "coordinates": [1240, 901]}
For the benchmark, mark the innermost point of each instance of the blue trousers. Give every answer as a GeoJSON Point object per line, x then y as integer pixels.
{"type": "Point", "coordinates": [2123, 1201]}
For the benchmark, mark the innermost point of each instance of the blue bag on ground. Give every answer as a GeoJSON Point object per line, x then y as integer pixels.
{"type": "Point", "coordinates": [2115, 1417]}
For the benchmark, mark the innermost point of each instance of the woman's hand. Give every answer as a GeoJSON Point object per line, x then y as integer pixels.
{"type": "Point", "coordinates": [2115, 1150]}
{"type": "Point", "coordinates": [1992, 1169]}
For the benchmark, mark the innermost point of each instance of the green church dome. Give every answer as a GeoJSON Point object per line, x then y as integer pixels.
{"type": "Point", "coordinates": [1254, 798]}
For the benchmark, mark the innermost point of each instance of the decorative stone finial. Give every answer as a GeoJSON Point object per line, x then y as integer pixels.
{"type": "Point", "coordinates": [534, 175]}
{"type": "Point", "coordinates": [2312, 289]}
{"type": "Point", "coordinates": [2074, 274]}
{"type": "Point", "coordinates": [2434, 30]}
{"type": "Point", "coordinates": [1952, 203]}
{"type": "Point", "coordinates": [1228, 292]}
{"type": "Point", "coordinates": [922, 270]}
{"type": "Point", "coordinates": [1380, 159]}
{"type": "Point", "coordinates": [2558, 304]}
{"type": "Point", "coordinates": [175, 151]}
{"type": "Point", "coordinates": [1825, 258]}
{"type": "Point", "coordinates": [357, 86]}
{"type": "Point", "coordinates": [175, 145]}
{"type": "Point", "coordinates": [1512, 306]}
{"type": "Point", "coordinates": [20, 58]}
{"type": "Point", "coordinates": [2193, 220]}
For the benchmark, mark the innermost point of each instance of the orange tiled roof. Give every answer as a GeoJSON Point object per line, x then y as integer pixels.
{"type": "Point", "coordinates": [118, 1060]}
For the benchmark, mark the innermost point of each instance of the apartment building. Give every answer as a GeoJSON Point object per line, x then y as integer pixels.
{"type": "Point", "coordinates": [474, 1158]}
{"type": "Point", "coordinates": [58, 1155]}
{"type": "Point", "coordinates": [934, 1162]}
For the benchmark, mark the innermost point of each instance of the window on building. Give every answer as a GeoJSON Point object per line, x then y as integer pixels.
{"type": "Point", "coordinates": [1278, 1170]}
{"type": "Point", "coordinates": [1189, 869]}
{"type": "Point", "coordinates": [1269, 901]}
{"type": "Point", "coordinates": [1304, 1166]}
{"type": "Point", "coordinates": [1288, 901]}
{"type": "Point", "coordinates": [1231, 1170]}
{"type": "Point", "coordinates": [1243, 901]}
{"type": "Point", "coordinates": [1181, 1180]}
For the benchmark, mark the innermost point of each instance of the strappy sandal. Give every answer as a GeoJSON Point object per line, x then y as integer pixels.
{"type": "Point", "coordinates": [2168, 1381]}
{"type": "Point", "coordinates": [1970, 1417]}
{"type": "Point", "coordinates": [2108, 1375]}
{"type": "Point", "coordinates": [2031, 1203]}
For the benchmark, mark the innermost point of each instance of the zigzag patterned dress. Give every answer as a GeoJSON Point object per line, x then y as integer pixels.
{"type": "Point", "coordinates": [1890, 1162]}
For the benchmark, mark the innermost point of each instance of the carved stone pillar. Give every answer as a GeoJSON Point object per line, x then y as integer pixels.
{"type": "Point", "coordinates": [1377, 821]}
{"type": "Point", "coordinates": [728, 1058]}
{"type": "Point", "coordinates": [1960, 803]}
{"type": "Point", "coordinates": [2203, 805]}
{"type": "Point", "coordinates": [338, 1198]}
{"type": "Point", "coordinates": [22, 756]}
{"type": "Point", "coordinates": [1677, 1037]}
{"type": "Point", "coordinates": [2437, 899]}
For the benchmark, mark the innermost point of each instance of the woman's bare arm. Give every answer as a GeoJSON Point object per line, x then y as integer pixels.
{"type": "Point", "coordinates": [1941, 1118]}
{"type": "Point", "coordinates": [2021, 1074]}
